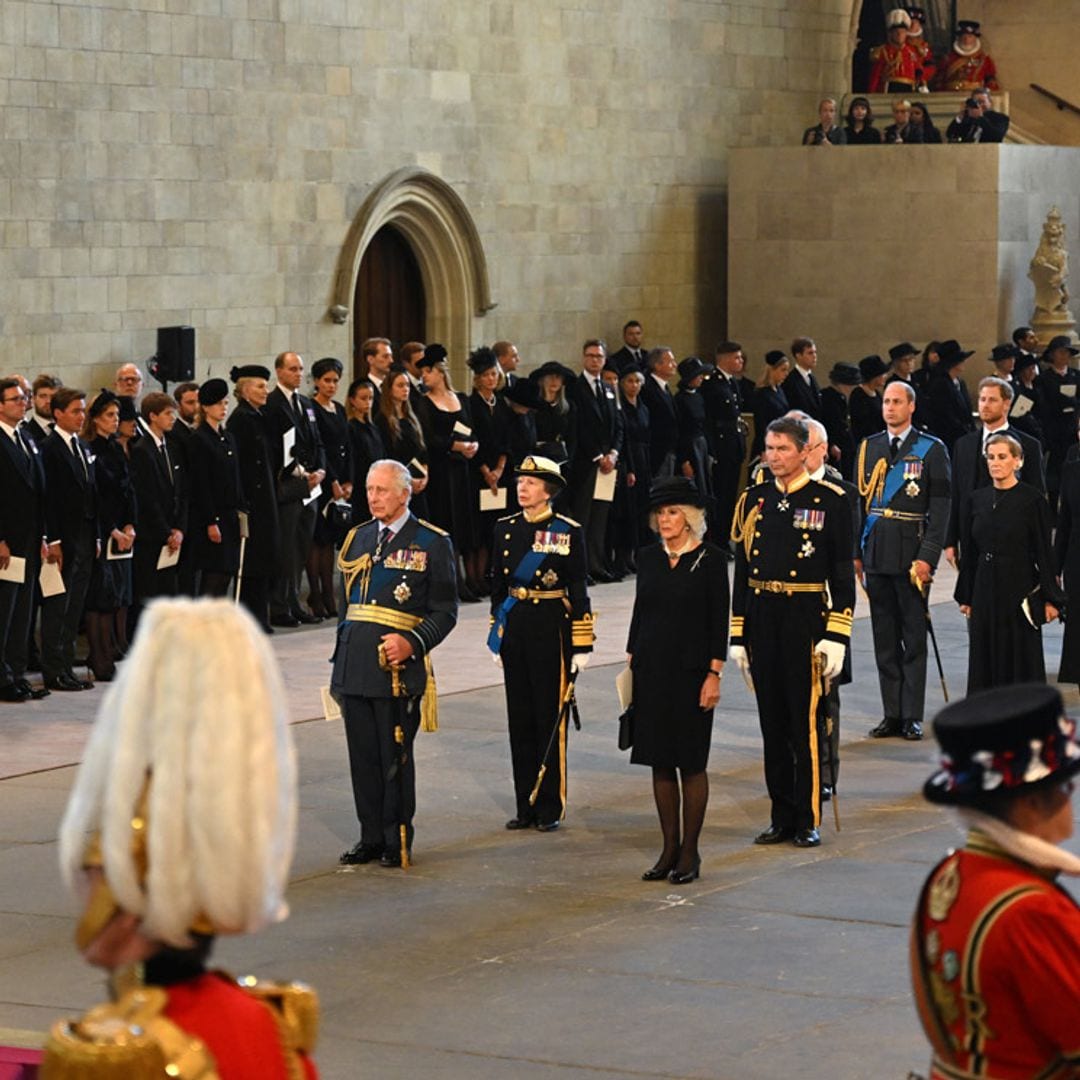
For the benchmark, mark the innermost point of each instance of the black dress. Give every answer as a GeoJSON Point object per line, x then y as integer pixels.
{"type": "Point", "coordinates": [693, 445]}
{"type": "Point", "coordinates": [680, 622]}
{"type": "Point", "coordinates": [1004, 554]}
{"type": "Point", "coordinates": [216, 499]}
{"type": "Point", "coordinates": [1067, 551]}
{"type": "Point", "coordinates": [110, 579]}
{"type": "Point", "coordinates": [556, 431]}
{"type": "Point", "coordinates": [252, 432]}
{"type": "Point", "coordinates": [408, 448]}
{"type": "Point", "coordinates": [632, 503]}
{"type": "Point", "coordinates": [868, 136]}
{"type": "Point", "coordinates": [449, 489]}
{"type": "Point", "coordinates": [865, 412]}
{"type": "Point", "coordinates": [334, 432]}
{"type": "Point", "coordinates": [490, 422]}
{"type": "Point", "coordinates": [365, 448]}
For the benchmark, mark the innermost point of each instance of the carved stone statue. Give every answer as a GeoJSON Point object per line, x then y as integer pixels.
{"type": "Point", "coordinates": [1049, 271]}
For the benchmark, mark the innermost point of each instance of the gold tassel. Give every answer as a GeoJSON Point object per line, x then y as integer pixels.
{"type": "Point", "coordinates": [874, 485]}
{"type": "Point", "coordinates": [429, 704]}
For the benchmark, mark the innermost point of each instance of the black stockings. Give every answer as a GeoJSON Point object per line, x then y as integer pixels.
{"type": "Point", "coordinates": [695, 798]}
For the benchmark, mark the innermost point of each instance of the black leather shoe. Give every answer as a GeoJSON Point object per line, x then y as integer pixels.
{"type": "Point", "coordinates": [601, 577]}
{"type": "Point", "coordinates": [684, 877]}
{"type": "Point", "coordinates": [516, 823]}
{"type": "Point", "coordinates": [13, 693]}
{"type": "Point", "coordinates": [912, 730]}
{"type": "Point", "coordinates": [288, 621]}
{"type": "Point", "coordinates": [84, 684]}
{"type": "Point", "coordinates": [390, 859]}
{"type": "Point", "coordinates": [64, 682]}
{"type": "Point", "coordinates": [887, 729]}
{"type": "Point", "coordinates": [546, 826]}
{"type": "Point", "coordinates": [807, 838]}
{"type": "Point", "coordinates": [660, 871]}
{"type": "Point", "coordinates": [826, 792]}
{"type": "Point", "coordinates": [32, 693]}
{"type": "Point", "coordinates": [307, 618]}
{"type": "Point", "coordinates": [774, 834]}
{"type": "Point", "coordinates": [360, 854]}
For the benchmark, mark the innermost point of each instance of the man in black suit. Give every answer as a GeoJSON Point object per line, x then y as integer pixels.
{"type": "Point", "coordinates": [599, 440]}
{"type": "Point", "coordinates": [22, 536]}
{"type": "Point", "coordinates": [38, 424]}
{"type": "Point", "coordinates": [800, 387]}
{"type": "Point", "coordinates": [376, 359]}
{"type": "Point", "coordinates": [663, 426]}
{"type": "Point", "coordinates": [72, 530]}
{"type": "Point", "coordinates": [507, 355]}
{"type": "Point", "coordinates": [410, 353]}
{"type": "Point", "coordinates": [298, 474]}
{"type": "Point", "coordinates": [1027, 345]}
{"type": "Point", "coordinates": [186, 396]}
{"type": "Point", "coordinates": [631, 354]}
{"type": "Point", "coordinates": [727, 433]}
{"type": "Point", "coordinates": [969, 454]}
{"type": "Point", "coordinates": [159, 475]}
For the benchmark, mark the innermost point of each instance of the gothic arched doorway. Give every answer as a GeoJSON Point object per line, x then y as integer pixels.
{"type": "Point", "coordinates": [389, 297]}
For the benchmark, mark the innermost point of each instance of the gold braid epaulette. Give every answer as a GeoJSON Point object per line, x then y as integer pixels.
{"type": "Point", "coordinates": [296, 1009]}
{"type": "Point", "coordinates": [874, 485]}
{"type": "Point", "coordinates": [743, 523]}
{"type": "Point", "coordinates": [131, 1038]}
{"type": "Point", "coordinates": [351, 569]}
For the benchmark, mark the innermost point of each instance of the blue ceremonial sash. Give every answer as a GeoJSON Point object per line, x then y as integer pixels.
{"type": "Point", "coordinates": [894, 481]}
{"type": "Point", "coordinates": [522, 577]}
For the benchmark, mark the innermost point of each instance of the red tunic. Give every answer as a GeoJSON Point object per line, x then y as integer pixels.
{"type": "Point", "coordinates": [927, 67]}
{"type": "Point", "coordinates": [967, 72]}
{"type": "Point", "coordinates": [995, 954]}
{"type": "Point", "coordinates": [240, 1030]}
{"type": "Point", "coordinates": [893, 64]}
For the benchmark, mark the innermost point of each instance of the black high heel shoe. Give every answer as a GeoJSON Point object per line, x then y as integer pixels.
{"type": "Point", "coordinates": [684, 877]}
{"type": "Point", "coordinates": [660, 871]}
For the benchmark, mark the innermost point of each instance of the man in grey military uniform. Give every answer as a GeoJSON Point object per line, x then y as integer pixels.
{"type": "Point", "coordinates": [903, 476]}
{"type": "Point", "coordinates": [401, 590]}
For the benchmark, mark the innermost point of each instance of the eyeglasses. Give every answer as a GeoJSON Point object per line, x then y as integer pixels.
{"type": "Point", "coordinates": [130, 378]}
{"type": "Point", "coordinates": [17, 397]}
{"type": "Point", "coordinates": [595, 355]}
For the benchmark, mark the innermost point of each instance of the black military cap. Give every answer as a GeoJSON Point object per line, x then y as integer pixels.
{"type": "Point", "coordinates": [249, 371]}
{"type": "Point", "coordinates": [212, 391]}
{"type": "Point", "coordinates": [1009, 738]}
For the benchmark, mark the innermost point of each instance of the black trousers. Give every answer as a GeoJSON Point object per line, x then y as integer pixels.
{"type": "Point", "coordinates": [592, 516]}
{"type": "Point", "coordinates": [383, 791]}
{"type": "Point", "coordinates": [725, 479]}
{"type": "Point", "coordinates": [16, 605]}
{"type": "Point", "coordinates": [60, 615]}
{"type": "Point", "coordinates": [536, 664]}
{"type": "Point", "coordinates": [780, 634]}
{"type": "Point", "coordinates": [899, 624]}
{"type": "Point", "coordinates": [297, 523]}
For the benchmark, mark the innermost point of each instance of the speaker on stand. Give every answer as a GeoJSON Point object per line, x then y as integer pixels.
{"type": "Point", "coordinates": [174, 360]}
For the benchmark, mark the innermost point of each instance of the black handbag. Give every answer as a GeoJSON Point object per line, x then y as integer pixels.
{"type": "Point", "coordinates": [626, 728]}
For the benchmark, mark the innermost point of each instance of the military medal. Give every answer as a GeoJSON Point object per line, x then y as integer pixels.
{"type": "Point", "coordinates": [912, 489]}
{"type": "Point", "coordinates": [807, 550]}
{"type": "Point", "coordinates": [806, 519]}
{"type": "Point", "coordinates": [912, 473]}
{"type": "Point", "coordinates": [944, 890]}
{"type": "Point", "coordinates": [783, 504]}
{"type": "Point", "coordinates": [549, 578]}
{"type": "Point", "coordinates": [402, 593]}
{"type": "Point", "coordinates": [950, 965]}
{"type": "Point", "coordinates": [547, 542]}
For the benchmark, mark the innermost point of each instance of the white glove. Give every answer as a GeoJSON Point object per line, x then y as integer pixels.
{"type": "Point", "coordinates": [579, 662]}
{"type": "Point", "coordinates": [497, 658]}
{"type": "Point", "coordinates": [832, 655]}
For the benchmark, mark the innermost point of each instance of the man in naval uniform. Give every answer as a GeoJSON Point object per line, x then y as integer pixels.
{"type": "Point", "coordinates": [792, 603]}
{"type": "Point", "coordinates": [542, 631]}
{"type": "Point", "coordinates": [401, 601]}
{"type": "Point", "coordinates": [904, 477]}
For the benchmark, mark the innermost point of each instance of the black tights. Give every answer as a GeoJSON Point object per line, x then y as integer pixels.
{"type": "Point", "coordinates": [695, 797]}
{"type": "Point", "coordinates": [320, 575]}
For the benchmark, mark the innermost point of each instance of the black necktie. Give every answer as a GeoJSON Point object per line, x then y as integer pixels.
{"type": "Point", "coordinates": [21, 445]}
{"type": "Point", "coordinates": [894, 448]}
{"type": "Point", "coordinates": [385, 535]}
{"type": "Point", "coordinates": [78, 457]}
{"type": "Point", "coordinates": [598, 391]}
{"type": "Point", "coordinates": [168, 463]}
{"type": "Point", "coordinates": [296, 406]}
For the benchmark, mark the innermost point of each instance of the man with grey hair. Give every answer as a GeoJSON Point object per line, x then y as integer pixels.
{"type": "Point", "coordinates": [663, 426]}
{"type": "Point", "coordinates": [401, 593]}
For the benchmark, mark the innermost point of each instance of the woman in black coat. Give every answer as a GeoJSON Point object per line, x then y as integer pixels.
{"type": "Point", "coordinates": [110, 578]}
{"type": "Point", "coordinates": [632, 492]}
{"type": "Point", "coordinates": [1067, 552]}
{"type": "Point", "coordinates": [676, 650]}
{"type": "Point", "coordinates": [491, 418]}
{"type": "Point", "coordinates": [770, 402]}
{"type": "Point", "coordinates": [402, 435]}
{"type": "Point", "coordinates": [216, 495]}
{"type": "Point", "coordinates": [333, 427]}
{"type": "Point", "coordinates": [692, 447]}
{"type": "Point", "coordinates": [365, 445]}
{"type": "Point", "coordinates": [948, 406]}
{"type": "Point", "coordinates": [254, 432]}
{"type": "Point", "coordinates": [1005, 555]}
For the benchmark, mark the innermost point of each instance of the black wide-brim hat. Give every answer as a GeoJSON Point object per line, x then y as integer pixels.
{"type": "Point", "coordinates": [249, 371]}
{"type": "Point", "coordinates": [905, 348]}
{"type": "Point", "coordinates": [675, 491]}
{"type": "Point", "coordinates": [1010, 738]}
{"type": "Point", "coordinates": [950, 354]}
{"type": "Point", "coordinates": [524, 392]}
{"type": "Point", "coordinates": [553, 367]}
{"type": "Point", "coordinates": [541, 467]}
{"type": "Point", "coordinates": [845, 374]}
{"type": "Point", "coordinates": [870, 367]}
{"type": "Point", "coordinates": [1062, 341]}
{"type": "Point", "coordinates": [1006, 351]}
{"type": "Point", "coordinates": [691, 368]}
{"type": "Point", "coordinates": [1025, 360]}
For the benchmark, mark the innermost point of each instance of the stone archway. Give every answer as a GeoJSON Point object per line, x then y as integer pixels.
{"type": "Point", "coordinates": [440, 230]}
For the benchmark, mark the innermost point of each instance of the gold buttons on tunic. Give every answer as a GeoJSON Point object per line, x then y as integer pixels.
{"type": "Point", "coordinates": [756, 552]}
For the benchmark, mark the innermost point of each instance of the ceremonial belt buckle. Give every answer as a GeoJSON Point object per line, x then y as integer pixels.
{"type": "Point", "coordinates": [382, 616]}
{"type": "Point", "coordinates": [519, 592]}
{"type": "Point", "coordinates": [900, 515]}
{"type": "Point", "coordinates": [786, 587]}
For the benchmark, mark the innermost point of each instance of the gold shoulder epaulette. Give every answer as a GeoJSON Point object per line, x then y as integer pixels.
{"type": "Point", "coordinates": [509, 517]}
{"type": "Point", "coordinates": [569, 520]}
{"type": "Point", "coordinates": [296, 1006]}
{"type": "Point", "coordinates": [131, 1038]}
{"type": "Point", "coordinates": [433, 528]}
{"type": "Point", "coordinates": [832, 486]}
{"type": "Point", "coordinates": [876, 51]}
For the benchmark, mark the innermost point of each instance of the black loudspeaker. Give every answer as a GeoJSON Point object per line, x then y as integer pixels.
{"type": "Point", "coordinates": [175, 360]}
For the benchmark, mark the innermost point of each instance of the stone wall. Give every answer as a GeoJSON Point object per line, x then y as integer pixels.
{"type": "Point", "coordinates": [201, 161]}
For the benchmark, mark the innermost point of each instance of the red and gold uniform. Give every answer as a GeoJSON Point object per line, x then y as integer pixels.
{"type": "Point", "coordinates": [926, 64]}
{"type": "Point", "coordinates": [959, 72]}
{"type": "Point", "coordinates": [995, 956]}
{"type": "Point", "coordinates": [893, 66]}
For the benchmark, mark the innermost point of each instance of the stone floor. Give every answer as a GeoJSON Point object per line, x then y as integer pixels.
{"type": "Point", "coordinates": [532, 956]}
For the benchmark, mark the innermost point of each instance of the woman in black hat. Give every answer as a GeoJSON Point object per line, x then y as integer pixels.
{"type": "Point", "coordinates": [948, 403]}
{"type": "Point", "coordinates": [1005, 560]}
{"type": "Point", "coordinates": [770, 402]}
{"type": "Point", "coordinates": [109, 594]}
{"type": "Point", "coordinates": [452, 445]}
{"type": "Point", "coordinates": [403, 436]}
{"type": "Point", "coordinates": [216, 493]}
{"type": "Point", "coordinates": [254, 435]}
{"type": "Point", "coordinates": [1027, 416]}
{"type": "Point", "coordinates": [676, 649]}
{"type": "Point", "coordinates": [523, 399]}
{"type": "Point", "coordinates": [365, 444]}
{"type": "Point", "coordinates": [333, 427]}
{"type": "Point", "coordinates": [692, 447]}
{"type": "Point", "coordinates": [1059, 390]}
{"type": "Point", "coordinates": [995, 946]}
{"type": "Point", "coordinates": [556, 418]}
{"type": "Point", "coordinates": [491, 416]}
{"type": "Point", "coordinates": [631, 507]}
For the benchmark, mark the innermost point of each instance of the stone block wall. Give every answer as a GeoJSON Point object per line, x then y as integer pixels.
{"type": "Point", "coordinates": [200, 161]}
